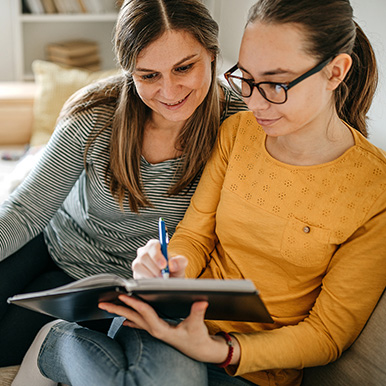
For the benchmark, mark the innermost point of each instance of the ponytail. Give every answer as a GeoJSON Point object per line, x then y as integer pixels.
{"type": "Point", "coordinates": [354, 96]}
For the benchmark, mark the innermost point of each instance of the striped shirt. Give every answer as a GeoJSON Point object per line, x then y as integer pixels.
{"type": "Point", "coordinates": [85, 229]}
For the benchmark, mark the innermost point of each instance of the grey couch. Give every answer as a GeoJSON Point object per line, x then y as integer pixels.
{"type": "Point", "coordinates": [363, 364]}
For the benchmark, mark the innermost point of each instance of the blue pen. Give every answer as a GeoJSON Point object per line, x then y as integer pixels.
{"type": "Point", "coordinates": [164, 240]}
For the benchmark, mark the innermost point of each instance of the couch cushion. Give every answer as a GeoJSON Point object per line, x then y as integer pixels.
{"type": "Point", "coordinates": [55, 84]}
{"type": "Point", "coordinates": [7, 374]}
{"type": "Point", "coordinates": [363, 363]}
{"type": "Point", "coordinates": [16, 112]}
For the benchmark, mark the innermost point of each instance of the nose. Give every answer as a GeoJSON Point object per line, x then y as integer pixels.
{"type": "Point", "coordinates": [256, 102]}
{"type": "Point", "coordinates": [169, 89]}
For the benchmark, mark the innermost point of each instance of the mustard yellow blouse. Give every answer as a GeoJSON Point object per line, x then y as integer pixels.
{"type": "Point", "coordinates": [311, 238]}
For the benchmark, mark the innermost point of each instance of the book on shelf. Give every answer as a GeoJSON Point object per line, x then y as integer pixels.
{"type": "Point", "coordinates": [100, 6]}
{"type": "Point", "coordinates": [77, 61]}
{"type": "Point", "coordinates": [110, 6]}
{"type": "Point", "coordinates": [75, 53]}
{"type": "Point", "coordinates": [73, 6]}
{"type": "Point", "coordinates": [236, 300]}
{"type": "Point", "coordinates": [34, 6]}
{"type": "Point", "coordinates": [82, 6]}
{"type": "Point", "coordinates": [89, 67]}
{"type": "Point", "coordinates": [69, 6]}
{"type": "Point", "coordinates": [24, 7]}
{"type": "Point", "coordinates": [61, 6]}
{"type": "Point", "coordinates": [49, 6]}
{"type": "Point", "coordinates": [72, 48]}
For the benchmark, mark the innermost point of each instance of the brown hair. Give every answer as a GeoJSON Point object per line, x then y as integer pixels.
{"type": "Point", "coordinates": [141, 22]}
{"type": "Point", "coordinates": [331, 31]}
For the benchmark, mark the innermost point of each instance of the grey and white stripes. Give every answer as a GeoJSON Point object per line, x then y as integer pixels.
{"type": "Point", "coordinates": [85, 230]}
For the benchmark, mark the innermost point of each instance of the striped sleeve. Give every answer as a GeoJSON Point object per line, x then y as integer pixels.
{"type": "Point", "coordinates": [31, 206]}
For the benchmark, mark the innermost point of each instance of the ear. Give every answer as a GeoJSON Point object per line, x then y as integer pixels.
{"type": "Point", "coordinates": [337, 70]}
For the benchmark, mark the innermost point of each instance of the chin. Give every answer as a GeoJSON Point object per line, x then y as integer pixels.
{"type": "Point", "coordinates": [271, 132]}
{"type": "Point", "coordinates": [179, 116]}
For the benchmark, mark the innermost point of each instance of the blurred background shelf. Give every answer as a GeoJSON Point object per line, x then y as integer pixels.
{"type": "Point", "coordinates": [33, 31]}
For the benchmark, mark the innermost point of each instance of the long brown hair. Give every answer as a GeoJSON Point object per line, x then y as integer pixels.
{"type": "Point", "coordinates": [331, 31]}
{"type": "Point", "coordinates": [141, 22]}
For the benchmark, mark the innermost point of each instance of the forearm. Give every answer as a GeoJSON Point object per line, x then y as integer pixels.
{"type": "Point", "coordinates": [29, 209]}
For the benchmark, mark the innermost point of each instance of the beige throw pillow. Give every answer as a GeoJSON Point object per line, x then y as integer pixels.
{"type": "Point", "coordinates": [55, 84]}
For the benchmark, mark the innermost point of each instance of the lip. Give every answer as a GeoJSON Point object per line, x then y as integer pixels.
{"type": "Point", "coordinates": [177, 105]}
{"type": "Point", "coordinates": [266, 122]}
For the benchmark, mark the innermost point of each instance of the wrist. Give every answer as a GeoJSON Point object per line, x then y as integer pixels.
{"type": "Point", "coordinates": [231, 350]}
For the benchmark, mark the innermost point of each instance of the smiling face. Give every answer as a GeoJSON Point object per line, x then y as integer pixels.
{"type": "Point", "coordinates": [172, 76]}
{"type": "Point", "coordinates": [276, 53]}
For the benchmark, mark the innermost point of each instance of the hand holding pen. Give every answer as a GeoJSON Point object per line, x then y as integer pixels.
{"type": "Point", "coordinates": [151, 258]}
{"type": "Point", "coordinates": [164, 241]}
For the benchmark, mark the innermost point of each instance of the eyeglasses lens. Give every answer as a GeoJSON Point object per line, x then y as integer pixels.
{"type": "Point", "coordinates": [273, 92]}
{"type": "Point", "coordinates": [238, 85]}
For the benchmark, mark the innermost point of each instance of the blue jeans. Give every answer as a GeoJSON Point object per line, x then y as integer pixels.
{"type": "Point", "coordinates": [77, 356]}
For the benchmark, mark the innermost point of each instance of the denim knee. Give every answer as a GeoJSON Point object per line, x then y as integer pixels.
{"type": "Point", "coordinates": [153, 362]}
{"type": "Point", "coordinates": [78, 356]}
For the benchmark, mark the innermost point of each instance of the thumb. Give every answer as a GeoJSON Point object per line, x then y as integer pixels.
{"type": "Point", "coordinates": [177, 266]}
{"type": "Point", "coordinates": [198, 310]}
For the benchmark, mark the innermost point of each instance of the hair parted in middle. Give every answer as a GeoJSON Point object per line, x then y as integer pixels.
{"type": "Point", "coordinates": [140, 23]}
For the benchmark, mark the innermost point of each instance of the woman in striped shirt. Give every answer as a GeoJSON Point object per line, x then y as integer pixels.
{"type": "Point", "coordinates": [125, 151]}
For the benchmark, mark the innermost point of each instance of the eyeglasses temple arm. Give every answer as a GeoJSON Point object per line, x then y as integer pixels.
{"type": "Point", "coordinates": [313, 71]}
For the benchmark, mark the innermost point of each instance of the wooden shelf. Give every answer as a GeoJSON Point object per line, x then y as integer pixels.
{"type": "Point", "coordinates": [32, 32]}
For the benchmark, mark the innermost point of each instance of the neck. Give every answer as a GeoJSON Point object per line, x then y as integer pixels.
{"type": "Point", "coordinates": [324, 142]}
{"type": "Point", "coordinates": [160, 139]}
{"type": "Point", "coordinates": [158, 122]}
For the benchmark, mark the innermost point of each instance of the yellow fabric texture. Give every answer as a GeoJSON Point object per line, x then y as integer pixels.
{"type": "Point", "coordinates": [55, 84]}
{"type": "Point", "coordinates": [311, 238]}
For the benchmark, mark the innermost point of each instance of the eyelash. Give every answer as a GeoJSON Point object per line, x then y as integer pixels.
{"type": "Point", "coordinates": [276, 83]}
{"type": "Point", "coordinates": [149, 77]}
{"type": "Point", "coordinates": [153, 77]}
{"type": "Point", "coordinates": [184, 68]}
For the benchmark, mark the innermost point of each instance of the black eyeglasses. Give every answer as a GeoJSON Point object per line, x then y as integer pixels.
{"type": "Point", "coordinates": [271, 91]}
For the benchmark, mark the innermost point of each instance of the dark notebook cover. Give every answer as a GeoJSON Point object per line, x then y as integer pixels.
{"type": "Point", "coordinates": [236, 300]}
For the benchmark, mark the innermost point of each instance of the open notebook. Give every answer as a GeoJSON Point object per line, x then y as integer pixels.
{"type": "Point", "coordinates": [236, 300]}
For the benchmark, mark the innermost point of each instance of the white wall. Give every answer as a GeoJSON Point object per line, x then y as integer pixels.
{"type": "Point", "coordinates": [370, 14]}
{"type": "Point", "coordinates": [7, 67]}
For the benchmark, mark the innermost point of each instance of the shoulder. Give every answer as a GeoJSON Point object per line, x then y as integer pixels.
{"type": "Point", "coordinates": [371, 155]}
{"type": "Point", "coordinates": [368, 170]}
{"type": "Point", "coordinates": [96, 93]}
{"type": "Point", "coordinates": [85, 123]}
{"type": "Point", "coordinates": [87, 115]}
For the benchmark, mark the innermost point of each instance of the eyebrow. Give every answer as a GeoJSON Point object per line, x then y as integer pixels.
{"type": "Point", "coordinates": [277, 71]}
{"type": "Point", "coordinates": [189, 57]}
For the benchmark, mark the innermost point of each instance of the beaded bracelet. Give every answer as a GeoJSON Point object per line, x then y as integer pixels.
{"type": "Point", "coordinates": [229, 342]}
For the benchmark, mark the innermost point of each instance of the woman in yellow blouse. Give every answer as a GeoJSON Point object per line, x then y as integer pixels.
{"type": "Point", "coordinates": [293, 198]}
